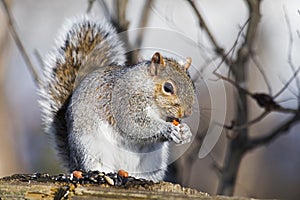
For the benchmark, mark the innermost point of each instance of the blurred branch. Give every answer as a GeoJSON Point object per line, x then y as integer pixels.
{"type": "Point", "coordinates": [229, 61]}
{"type": "Point", "coordinates": [143, 22]}
{"type": "Point", "coordinates": [121, 6]}
{"type": "Point", "coordinates": [141, 32]}
{"type": "Point", "coordinates": [90, 5]}
{"type": "Point", "coordinates": [260, 69]}
{"type": "Point", "coordinates": [236, 149]}
{"type": "Point", "coordinates": [243, 54]}
{"type": "Point", "coordinates": [290, 49]}
{"type": "Point", "coordinates": [203, 25]}
{"type": "Point", "coordinates": [240, 143]}
{"type": "Point", "coordinates": [19, 44]}
{"type": "Point", "coordinates": [240, 89]}
{"type": "Point", "coordinates": [104, 7]}
{"type": "Point", "coordinates": [39, 58]}
{"type": "Point", "coordinates": [281, 129]}
{"type": "Point", "coordinates": [118, 18]}
{"type": "Point", "coordinates": [234, 127]}
{"type": "Point", "coordinates": [296, 72]}
{"type": "Point", "coordinates": [263, 100]}
{"type": "Point", "coordinates": [121, 24]}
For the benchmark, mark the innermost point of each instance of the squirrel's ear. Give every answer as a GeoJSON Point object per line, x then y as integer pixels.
{"type": "Point", "coordinates": [187, 63]}
{"type": "Point", "coordinates": [156, 61]}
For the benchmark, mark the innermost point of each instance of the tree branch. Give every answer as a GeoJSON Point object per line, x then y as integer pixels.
{"type": "Point", "coordinates": [296, 72]}
{"type": "Point", "coordinates": [263, 140]}
{"type": "Point", "coordinates": [290, 49]}
{"type": "Point", "coordinates": [203, 25]}
{"type": "Point", "coordinates": [90, 5]}
{"type": "Point", "coordinates": [19, 44]}
{"type": "Point", "coordinates": [236, 146]}
{"type": "Point", "coordinates": [243, 54]}
{"type": "Point", "coordinates": [142, 23]}
{"type": "Point", "coordinates": [104, 7]}
{"type": "Point", "coordinates": [121, 6]}
{"type": "Point", "coordinates": [262, 72]}
{"type": "Point", "coordinates": [263, 100]}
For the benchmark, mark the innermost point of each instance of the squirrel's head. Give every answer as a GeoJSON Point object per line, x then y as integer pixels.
{"type": "Point", "coordinates": [174, 90]}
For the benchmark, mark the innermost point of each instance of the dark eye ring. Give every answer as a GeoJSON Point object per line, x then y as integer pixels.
{"type": "Point", "coordinates": [168, 88]}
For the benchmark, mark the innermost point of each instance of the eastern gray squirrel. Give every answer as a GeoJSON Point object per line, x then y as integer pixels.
{"type": "Point", "coordinates": [106, 116]}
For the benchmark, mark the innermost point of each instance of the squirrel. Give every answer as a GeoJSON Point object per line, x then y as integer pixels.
{"type": "Point", "coordinates": [106, 116]}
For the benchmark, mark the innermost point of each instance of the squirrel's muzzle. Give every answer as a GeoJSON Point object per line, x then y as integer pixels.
{"type": "Point", "coordinates": [187, 112]}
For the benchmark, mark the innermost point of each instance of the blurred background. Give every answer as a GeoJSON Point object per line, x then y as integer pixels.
{"type": "Point", "coordinates": [270, 171]}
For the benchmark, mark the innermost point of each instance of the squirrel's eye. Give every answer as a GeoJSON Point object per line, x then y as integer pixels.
{"type": "Point", "coordinates": [168, 88]}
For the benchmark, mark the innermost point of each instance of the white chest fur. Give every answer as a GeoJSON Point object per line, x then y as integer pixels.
{"type": "Point", "coordinates": [107, 153]}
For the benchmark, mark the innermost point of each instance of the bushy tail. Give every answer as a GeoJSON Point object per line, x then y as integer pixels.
{"type": "Point", "coordinates": [83, 44]}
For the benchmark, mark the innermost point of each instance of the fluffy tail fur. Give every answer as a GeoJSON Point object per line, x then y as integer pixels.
{"type": "Point", "coordinates": [83, 44]}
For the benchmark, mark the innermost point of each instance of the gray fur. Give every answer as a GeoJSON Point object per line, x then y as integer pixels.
{"type": "Point", "coordinates": [106, 116]}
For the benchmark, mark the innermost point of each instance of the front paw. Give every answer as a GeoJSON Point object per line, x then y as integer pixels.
{"type": "Point", "coordinates": [186, 133]}
{"type": "Point", "coordinates": [180, 134]}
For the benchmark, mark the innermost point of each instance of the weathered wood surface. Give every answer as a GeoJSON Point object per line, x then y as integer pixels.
{"type": "Point", "coordinates": [31, 189]}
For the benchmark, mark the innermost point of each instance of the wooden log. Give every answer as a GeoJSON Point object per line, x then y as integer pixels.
{"type": "Point", "coordinates": [16, 187]}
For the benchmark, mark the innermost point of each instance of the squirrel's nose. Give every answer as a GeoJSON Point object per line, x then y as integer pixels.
{"type": "Point", "coordinates": [184, 113]}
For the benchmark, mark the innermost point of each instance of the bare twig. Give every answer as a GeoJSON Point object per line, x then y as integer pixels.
{"type": "Point", "coordinates": [118, 18]}
{"type": "Point", "coordinates": [254, 8]}
{"type": "Point", "coordinates": [290, 48]}
{"type": "Point", "coordinates": [121, 6]}
{"type": "Point", "coordinates": [264, 100]}
{"type": "Point", "coordinates": [241, 143]}
{"type": "Point", "coordinates": [251, 122]}
{"type": "Point", "coordinates": [236, 148]}
{"type": "Point", "coordinates": [169, 20]}
{"type": "Point", "coordinates": [240, 34]}
{"type": "Point", "coordinates": [233, 83]}
{"type": "Point", "coordinates": [207, 63]}
{"type": "Point", "coordinates": [104, 7]}
{"type": "Point", "coordinates": [143, 22]}
{"type": "Point", "coordinates": [203, 25]}
{"type": "Point", "coordinates": [19, 44]}
{"type": "Point", "coordinates": [265, 139]}
{"type": "Point", "coordinates": [243, 53]}
{"type": "Point", "coordinates": [288, 83]}
{"type": "Point", "coordinates": [39, 58]}
{"type": "Point", "coordinates": [90, 5]}
{"type": "Point", "coordinates": [122, 24]}
{"type": "Point", "coordinates": [232, 49]}
{"type": "Point", "coordinates": [260, 69]}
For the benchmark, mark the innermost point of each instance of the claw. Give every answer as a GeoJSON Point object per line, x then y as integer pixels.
{"type": "Point", "coordinates": [179, 134]}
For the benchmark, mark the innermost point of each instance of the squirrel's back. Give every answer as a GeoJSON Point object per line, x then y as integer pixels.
{"type": "Point", "coordinates": [83, 45]}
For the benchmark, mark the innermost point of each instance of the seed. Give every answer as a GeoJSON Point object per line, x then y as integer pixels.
{"type": "Point", "coordinates": [93, 179]}
{"type": "Point", "coordinates": [101, 174]}
{"type": "Point", "coordinates": [123, 173]}
{"type": "Point", "coordinates": [33, 177]}
{"type": "Point", "coordinates": [77, 174]}
{"type": "Point", "coordinates": [175, 122]}
{"type": "Point", "coordinates": [109, 180]}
